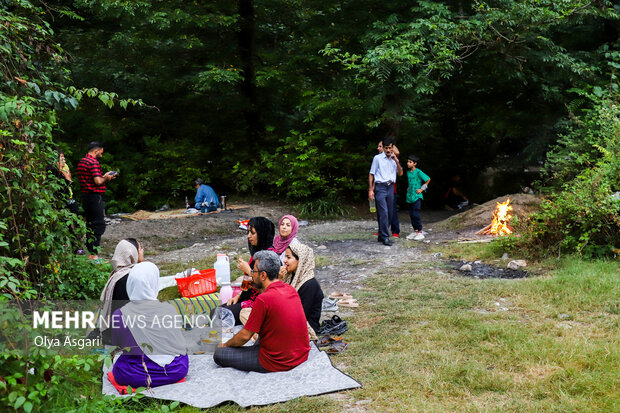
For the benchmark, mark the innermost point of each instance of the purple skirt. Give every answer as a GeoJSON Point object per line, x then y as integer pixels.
{"type": "Point", "coordinates": [129, 371]}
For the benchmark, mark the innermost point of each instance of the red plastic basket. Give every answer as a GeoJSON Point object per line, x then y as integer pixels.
{"type": "Point", "coordinates": [198, 284]}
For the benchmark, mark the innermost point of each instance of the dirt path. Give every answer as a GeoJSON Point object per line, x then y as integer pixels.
{"type": "Point", "coordinates": [346, 250]}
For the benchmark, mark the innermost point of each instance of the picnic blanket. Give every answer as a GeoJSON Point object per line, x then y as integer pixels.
{"type": "Point", "coordinates": [142, 215]}
{"type": "Point", "coordinates": [202, 304]}
{"type": "Point", "coordinates": [208, 385]}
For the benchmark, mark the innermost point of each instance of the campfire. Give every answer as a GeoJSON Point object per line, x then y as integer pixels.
{"type": "Point", "coordinates": [501, 216]}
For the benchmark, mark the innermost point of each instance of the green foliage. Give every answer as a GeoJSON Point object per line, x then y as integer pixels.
{"type": "Point", "coordinates": [38, 234]}
{"type": "Point", "coordinates": [330, 206]}
{"type": "Point", "coordinates": [584, 215]}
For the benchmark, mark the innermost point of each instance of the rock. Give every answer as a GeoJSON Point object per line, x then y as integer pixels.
{"type": "Point", "coordinates": [478, 262]}
{"type": "Point", "coordinates": [465, 267]}
{"type": "Point", "coordinates": [505, 256]}
{"type": "Point", "coordinates": [564, 316]}
{"type": "Point", "coordinates": [436, 255]}
{"type": "Point", "coordinates": [321, 247]}
{"type": "Point", "coordinates": [516, 264]}
{"type": "Point", "coordinates": [303, 223]}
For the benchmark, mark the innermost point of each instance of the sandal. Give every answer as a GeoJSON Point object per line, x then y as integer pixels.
{"type": "Point", "coordinates": [349, 303]}
{"type": "Point", "coordinates": [340, 296]}
{"type": "Point", "coordinates": [338, 348]}
{"type": "Point", "coordinates": [328, 341]}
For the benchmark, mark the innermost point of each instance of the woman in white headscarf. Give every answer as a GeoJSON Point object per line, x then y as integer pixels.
{"type": "Point", "coordinates": [128, 253]}
{"type": "Point", "coordinates": [158, 354]}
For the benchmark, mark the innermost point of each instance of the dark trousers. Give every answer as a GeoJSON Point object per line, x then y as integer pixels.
{"type": "Point", "coordinates": [94, 213]}
{"type": "Point", "coordinates": [394, 223]}
{"type": "Point", "coordinates": [414, 214]}
{"type": "Point", "coordinates": [384, 200]}
{"type": "Point", "coordinates": [240, 358]}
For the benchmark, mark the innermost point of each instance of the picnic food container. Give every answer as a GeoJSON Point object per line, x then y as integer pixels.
{"type": "Point", "coordinates": [222, 269]}
{"type": "Point", "coordinates": [197, 284]}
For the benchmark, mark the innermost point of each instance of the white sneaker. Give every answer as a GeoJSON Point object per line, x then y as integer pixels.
{"type": "Point", "coordinates": [412, 235]}
{"type": "Point", "coordinates": [419, 236]}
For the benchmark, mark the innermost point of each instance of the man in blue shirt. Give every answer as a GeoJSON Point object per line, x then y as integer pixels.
{"type": "Point", "coordinates": [382, 176]}
{"type": "Point", "coordinates": [206, 198]}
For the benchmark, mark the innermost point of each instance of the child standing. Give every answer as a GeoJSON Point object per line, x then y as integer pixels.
{"type": "Point", "coordinates": [418, 182]}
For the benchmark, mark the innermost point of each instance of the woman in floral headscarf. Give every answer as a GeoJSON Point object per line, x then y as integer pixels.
{"type": "Point", "coordinates": [299, 263]}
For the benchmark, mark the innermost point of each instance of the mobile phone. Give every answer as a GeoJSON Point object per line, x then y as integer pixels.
{"type": "Point", "coordinates": [113, 172]}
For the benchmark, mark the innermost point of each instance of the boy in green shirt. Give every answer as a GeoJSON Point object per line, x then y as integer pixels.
{"type": "Point", "coordinates": [418, 182]}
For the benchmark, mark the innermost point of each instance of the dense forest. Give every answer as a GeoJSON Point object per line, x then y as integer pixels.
{"type": "Point", "coordinates": [288, 99]}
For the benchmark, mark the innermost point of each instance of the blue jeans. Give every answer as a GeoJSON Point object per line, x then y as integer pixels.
{"type": "Point", "coordinates": [414, 214]}
{"type": "Point", "coordinates": [384, 200]}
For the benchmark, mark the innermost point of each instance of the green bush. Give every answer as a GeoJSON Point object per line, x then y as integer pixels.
{"type": "Point", "coordinates": [584, 215]}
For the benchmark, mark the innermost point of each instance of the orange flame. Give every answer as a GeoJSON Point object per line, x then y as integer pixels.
{"type": "Point", "coordinates": [501, 217]}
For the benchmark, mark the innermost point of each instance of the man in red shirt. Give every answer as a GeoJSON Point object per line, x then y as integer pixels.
{"type": "Point", "coordinates": [92, 187]}
{"type": "Point", "coordinates": [278, 318]}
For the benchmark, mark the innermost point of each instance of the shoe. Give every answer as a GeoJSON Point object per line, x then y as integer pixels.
{"type": "Point", "coordinates": [379, 239]}
{"type": "Point", "coordinates": [412, 235]}
{"type": "Point", "coordinates": [329, 304]}
{"type": "Point", "coordinates": [419, 236]}
{"type": "Point", "coordinates": [333, 326]}
{"type": "Point", "coordinates": [395, 235]}
{"type": "Point", "coordinates": [387, 242]}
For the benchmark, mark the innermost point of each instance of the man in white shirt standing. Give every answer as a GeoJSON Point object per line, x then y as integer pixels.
{"type": "Point", "coordinates": [382, 176]}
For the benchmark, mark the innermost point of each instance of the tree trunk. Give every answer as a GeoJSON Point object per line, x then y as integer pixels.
{"type": "Point", "coordinates": [247, 53]}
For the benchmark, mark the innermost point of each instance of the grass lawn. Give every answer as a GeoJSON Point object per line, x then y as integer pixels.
{"type": "Point", "coordinates": [423, 340]}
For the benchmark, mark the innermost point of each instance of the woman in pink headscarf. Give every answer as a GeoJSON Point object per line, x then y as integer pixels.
{"type": "Point", "coordinates": [287, 231]}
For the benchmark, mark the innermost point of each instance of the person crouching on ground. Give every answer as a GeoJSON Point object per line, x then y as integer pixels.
{"type": "Point", "coordinates": [418, 182]}
{"type": "Point", "coordinates": [277, 316]}
{"type": "Point", "coordinates": [299, 264]}
{"type": "Point", "coordinates": [157, 354]}
{"type": "Point", "coordinates": [206, 199]}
